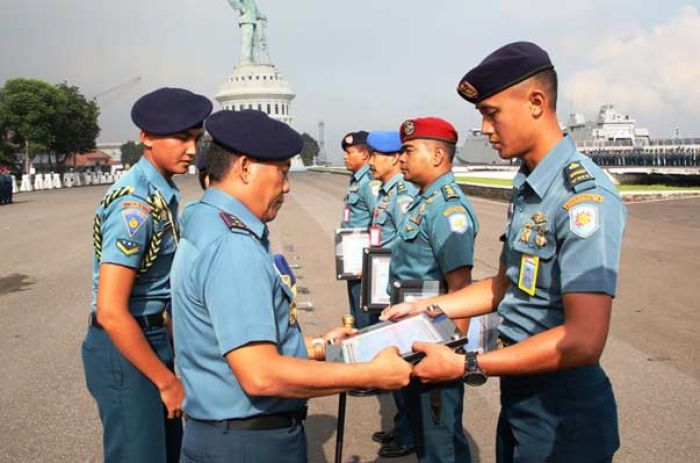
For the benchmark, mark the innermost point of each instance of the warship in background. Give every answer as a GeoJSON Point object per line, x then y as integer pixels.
{"type": "Point", "coordinates": [612, 140]}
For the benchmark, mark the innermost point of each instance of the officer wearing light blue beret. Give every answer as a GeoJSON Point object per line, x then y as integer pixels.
{"type": "Point", "coordinates": [127, 352]}
{"type": "Point", "coordinates": [435, 242]}
{"type": "Point", "coordinates": [359, 201]}
{"type": "Point", "coordinates": [245, 364]}
{"type": "Point", "coordinates": [556, 280]}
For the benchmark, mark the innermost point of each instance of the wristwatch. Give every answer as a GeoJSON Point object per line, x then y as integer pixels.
{"type": "Point", "coordinates": [473, 375]}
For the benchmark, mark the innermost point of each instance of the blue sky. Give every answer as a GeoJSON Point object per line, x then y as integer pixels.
{"type": "Point", "coordinates": [365, 64]}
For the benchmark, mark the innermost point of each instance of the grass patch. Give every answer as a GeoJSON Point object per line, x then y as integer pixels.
{"type": "Point", "coordinates": [484, 180]}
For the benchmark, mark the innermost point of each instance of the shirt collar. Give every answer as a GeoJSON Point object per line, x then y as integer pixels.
{"type": "Point", "coordinates": [546, 171]}
{"type": "Point", "coordinates": [389, 184]}
{"type": "Point", "coordinates": [360, 173]}
{"type": "Point", "coordinates": [444, 179]}
{"type": "Point", "coordinates": [227, 203]}
{"type": "Point", "coordinates": [167, 188]}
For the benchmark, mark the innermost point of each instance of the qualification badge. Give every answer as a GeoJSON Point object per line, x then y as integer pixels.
{"type": "Point", "coordinates": [529, 265]}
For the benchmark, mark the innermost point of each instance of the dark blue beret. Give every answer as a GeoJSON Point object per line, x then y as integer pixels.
{"type": "Point", "coordinates": [254, 133]}
{"type": "Point", "coordinates": [385, 141]}
{"type": "Point", "coordinates": [505, 67]}
{"type": "Point", "coordinates": [354, 139]}
{"type": "Point", "coordinates": [170, 110]}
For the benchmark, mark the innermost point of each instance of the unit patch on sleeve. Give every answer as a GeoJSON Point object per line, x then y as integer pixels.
{"type": "Point", "coordinates": [128, 247]}
{"type": "Point", "coordinates": [591, 198]}
{"type": "Point", "coordinates": [134, 218]}
{"type": "Point", "coordinates": [458, 222]}
{"type": "Point", "coordinates": [584, 220]}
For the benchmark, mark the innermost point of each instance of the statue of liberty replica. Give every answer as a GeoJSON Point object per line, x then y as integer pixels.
{"type": "Point", "coordinates": [255, 82]}
{"type": "Point", "coordinates": [252, 24]}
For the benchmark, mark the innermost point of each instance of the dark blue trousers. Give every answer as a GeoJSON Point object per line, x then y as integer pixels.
{"type": "Point", "coordinates": [565, 416]}
{"type": "Point", "coordinates": [361, 317]}
{"type": "Point", "coordinates": [440, 440]}
{"type": "Point", "coordinates": [134, 420]}
{"type": "Point", "coordinates": [210, 443]}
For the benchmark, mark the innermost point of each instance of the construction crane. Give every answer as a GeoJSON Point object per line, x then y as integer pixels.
{"type": "Point", "coordinates": [112, 94]}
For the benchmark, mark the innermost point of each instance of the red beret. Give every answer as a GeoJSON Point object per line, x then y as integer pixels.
{"type": "Point", "coordinates": [431, 128]}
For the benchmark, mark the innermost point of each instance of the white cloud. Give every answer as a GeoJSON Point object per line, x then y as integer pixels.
{"type": "Point", "coordinates": [655, 71]}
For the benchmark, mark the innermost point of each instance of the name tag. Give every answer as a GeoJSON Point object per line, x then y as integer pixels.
{"type": "Point", "coordinates": [529, 265]}
{"type": "Point", "coordinates": [375, 236]}
{"type": "Point", "coordinates": [346, 215]}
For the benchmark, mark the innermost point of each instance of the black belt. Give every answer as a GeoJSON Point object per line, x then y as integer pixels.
{"type": "Point", "coordinates": [147, 321]}
{"type": "Point", "coordinates": [259, 422]}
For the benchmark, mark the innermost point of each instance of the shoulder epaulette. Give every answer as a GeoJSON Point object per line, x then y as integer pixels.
{"type": "Point", "coordinates": [401, 188]}
{"type": "Point", "coordinates": [233, 222]}
{"type": "Point", "coordinates": [577, 177]}
{"type": "Point", "coordinates": [448, 191]}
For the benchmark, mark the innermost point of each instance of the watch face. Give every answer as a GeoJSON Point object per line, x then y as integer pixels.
{"type": "Point", "coordinates": [475, 379]}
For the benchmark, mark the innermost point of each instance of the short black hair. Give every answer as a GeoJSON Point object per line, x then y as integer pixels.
{"type": "Point", "coordinates": [219, 161]}
{"type": "Point", "coordinates": [449, 148]}
{"type": "Point", "coordinates": [548, 79]}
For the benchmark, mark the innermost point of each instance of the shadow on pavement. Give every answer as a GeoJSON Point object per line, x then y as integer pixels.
{"type": "Point", "coordinates": [15, 282]}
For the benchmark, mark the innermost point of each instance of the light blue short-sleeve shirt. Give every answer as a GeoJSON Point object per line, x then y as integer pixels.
{"type": "Point", "coordinates": [127, 224]}
{"type": "Point", "coordinates": [360, 199]}
{"type": "Point", "coordinates": [227, 294]}
{"type": "Point", "coordinates": [437, 234]}
{"type": "Point", "coordinates": [395, 195]}
{"type": "Point", "coordinates": [563, 235]}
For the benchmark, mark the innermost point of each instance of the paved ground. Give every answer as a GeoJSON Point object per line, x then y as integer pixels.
{"type": "Point", "coordinates": [652, 354]}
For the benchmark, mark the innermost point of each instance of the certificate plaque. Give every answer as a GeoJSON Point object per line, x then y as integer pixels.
{"type": "Point", "coordinates": [411, 290]}
{"type": "Point", "coordinates": [434, 328]}
{"type": "Point", "coordinates": [375, 279]}
{"type": "Point", "coordinates": [349, 243]}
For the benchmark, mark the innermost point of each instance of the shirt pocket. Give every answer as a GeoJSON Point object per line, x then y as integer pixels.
{"type": "Point", "coordinates": [409, 232]}
{"type": "Point", "coordinates": [545, 254]}
{"type": "Point", "coordinates": [352, 199]}
{"type": "Point", "coordinates": [381, 218]}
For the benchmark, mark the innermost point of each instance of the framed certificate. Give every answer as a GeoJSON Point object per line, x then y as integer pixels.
{"type": "Point", "coordinates": [349, 243]}
{"type": "Point", "coordinates": [411, 290]}
{"type": "Point", "coordinates": [436, 328]}
{"type": "Point", "coordinates": [375, 279]}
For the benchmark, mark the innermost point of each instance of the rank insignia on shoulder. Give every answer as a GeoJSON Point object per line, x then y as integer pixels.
{"type": "Point", "coordinates": [232, 221]}
{"type": "Point", "coordinates": [401, 188]}
{"type": "Point", "coordinates": [453, 209]}
{"type": "Point", "coordinates": [134, 219]}
{"type": "Point", "coordinates": [449, 193]}
{"type": "Point", "coordinates": [128, 247]}
{"type": "Point", "coordinates": [590, 198]}
{"type": "Point", "coordinates": [431, 198]}
{"type": "Point", "coordinates": [575, 173]}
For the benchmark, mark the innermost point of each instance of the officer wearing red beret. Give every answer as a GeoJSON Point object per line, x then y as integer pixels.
{"type": "Point", "coordinates": [435, 243]}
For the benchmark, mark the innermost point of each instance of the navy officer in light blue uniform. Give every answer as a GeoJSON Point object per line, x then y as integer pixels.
{"type": "Point", "coordinates": [246, 366]}
{"type": "Point", "coordinates": [435, 242]}
{"type": "Point", "coordinates": [556, 280]}
{"type": "Point", "coordinates": [395, 195]}
{"type": "Point", "coordinates": [359, 201]}
{"type": "Point", "coordinates": [127, 352]}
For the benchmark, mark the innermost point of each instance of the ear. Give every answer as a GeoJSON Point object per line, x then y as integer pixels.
{"type": "Point", "coordinates": [438, 154]}
{"type": "Point", "coordinates": [395, 159]}
{"type": "Point", "coordinates": [245, 169]}
{"type": "Point", "coordinates": [146, 140]}
{"type": "Point", "coordinates": [538, 101]}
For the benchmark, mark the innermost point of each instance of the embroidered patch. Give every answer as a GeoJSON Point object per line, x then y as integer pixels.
{"type": "Point", "coordinates": [134, 219]}
{"type": "Point", "coordinates": [583, 220]}
{"type": "Point", "coordinates": [348, 140]}
{"type": "Point", "coordinates": [128, 247]}
{"type": "Point", "coordinates": [591, 198]}
{"type": "Point", "coordinates": [449, 193]}
{"type": "Point", "coordinates": [136, 204]}
{"type": "Point", "coordinates": [458, 222]}
{"type": "Point", "coordinates": [453, 209]}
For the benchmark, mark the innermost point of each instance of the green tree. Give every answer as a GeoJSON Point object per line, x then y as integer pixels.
{"type": "Point", "coordinates": [131, 153]}
{"type": "Point", "coordinates": [310, 149]}
{"type": "Point", "coordinates": [74, 127]}
{"type": "Point", "coordinates": [27, 109]}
